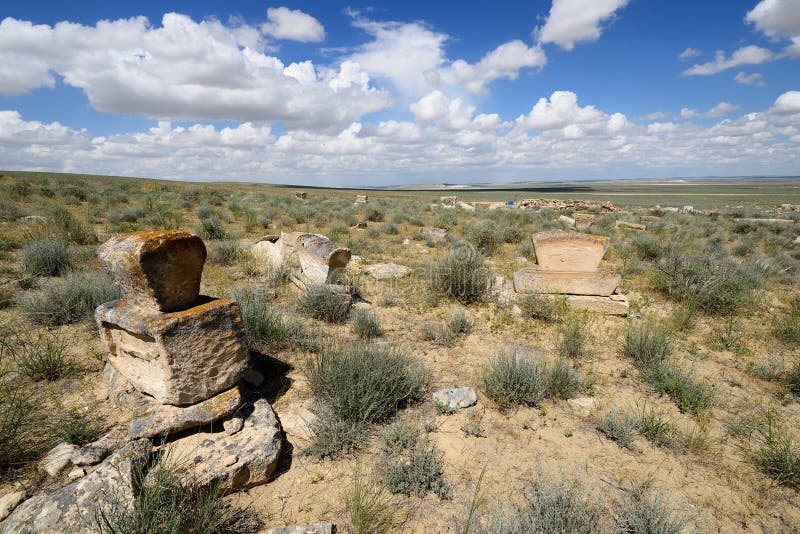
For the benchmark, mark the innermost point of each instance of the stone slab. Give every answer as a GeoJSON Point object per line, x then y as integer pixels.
{"type": "Point", "coordinates": [613, 305]}
{"type": "Point", "coordinates": [316, 528]}
{"type": "Point", "coordinates": [534, 280]}
{"type": "Point", "coordinates": [73, 508]}
{"type": "Point", "coordinates": [158, 270]}
{"type": "Point", "coordinates": [383, 271]}
{"type": "Point", "coordinates": [178, 358]}
{"type": "Point", "coordinates": [569, 251]}
{"type": "Point", "coordinates": [242, 460]}
{"type": "Point", "coordinates": [455, 398]}
{"type": "Point", "coordinates": [164, 419]}
{"type": "Point", "coordinates": [57, 459]}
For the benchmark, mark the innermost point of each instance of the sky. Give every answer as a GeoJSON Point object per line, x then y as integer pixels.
{"type": "Point", "coordinates": [371, 94]}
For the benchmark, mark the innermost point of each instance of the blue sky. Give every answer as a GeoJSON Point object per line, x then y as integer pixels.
{"type": "Point", "coordinates": [369, 94]}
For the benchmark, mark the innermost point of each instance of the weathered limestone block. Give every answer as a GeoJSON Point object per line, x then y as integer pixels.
{"type": "Point", "coordinates": [632, 226]}
{"type": "Point", "coordinates": [583, 221]}
{"type": "Point", "coordinates": [321, 260]}
{"type": "Point", "coordinates": [74, 507]}
{"type": "Point", "coordinates": [242, 460]}
{"type": "Point", "coordinates": [361, 199]}
{"type": "Point", "coordinates": [534, 280]}
{"type": "Point", "coordinates": [316, 528]}
{"type": "Point", "coordinates": [448, 202]}
{"type": "Point", "coordinates": [57, 459]}
{"type": "Point", "coordinates": [163, 419]}
{"type": "Point", "coordinates": [455, 398]}
{"type": "Point", "coordinates": [466, 206]}
{"type": "Point", "coordinates": [567, 223]}
{"type": "Point", "coordinates": [612, 305]}
{"type": "Point", "coordinates": [158, 270]}
{"type": "Point", "coordinates": [178, 358]}
{"type": "Point", "coordinates": [569, 251]}
{"type": "Point", "coordinates": [268, 252]}
{"type": "Point", "coordinates": [382, 271]}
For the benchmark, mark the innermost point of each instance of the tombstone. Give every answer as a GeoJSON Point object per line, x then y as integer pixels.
{"type": "Point", "coordinates": [361, 199]}
{"type": "Point", "coordinates": [466, 206]}
{"type": "Point", "coordinates": [162, 335]}
{"type": "Point", "coordinates": [300, 195]}
{"type": "Point", "coordinates": [568, 263]}
{"type": "Point", "coordinates": [583, 221]}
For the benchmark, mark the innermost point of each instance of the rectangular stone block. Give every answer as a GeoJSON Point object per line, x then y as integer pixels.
{"type": "Point", "coordinates": [569, 251]}
{"type": "Point", "coordinates": [613, 305]}
{"type": "Point", "coordinates": [534, 280]}
{"type": "Point", "coordinates": [181, 357]}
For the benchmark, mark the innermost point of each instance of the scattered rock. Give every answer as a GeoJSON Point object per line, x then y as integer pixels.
{"type": "Point", "coordinates": [158, 270]}
{"type": "Point", "coordinates": [465, 206]}
{"type": "Point", "coordinates": [583, 221]}
{"type": "Point", "coordinates": [31, 218]}
{"type": "Point", "coordinates": [296, 420]}
{"type": "Point", "coordinates": [632, 226]}
{"type": "Point", "coordinates": [316, 528]}
{"type": "Point", "coordinates": [57, 459]}
{"type": "Point", "coordinates": [233, 425]}
{"type": "Point", "coordinates": [9, 502]}
{"type": "Point", "coordinates": [436, 235]}
{"type": "Point", "coordinates": [407, 241]}
{"type": "Point", "coordinates": [163, 419]}
{"type": "Point", "coordinates": [570, 204]}
{"type": "Point", "coordinates": [382, 271]}
{"type": "Point", "coordinates": [455, 398]}
{"type": "Point", "coordinates": [582, 405]}
{"type": "Point", "coordinates": [179, 357]}
{"type": "Point", "coordinates": [568, 223]}
{"type": "Point", "coordinates": [73, 508]}
{"type": "Point", "coordinates": [93, 453]}
{"type": "Point", "coordinates": [76, 473]}
{"type": "Point", "coordinates": [359, 226]}
{"type": "Point", "coordinates": [361, 199]}
{"type": "Point", "coordinates": [200, 458]}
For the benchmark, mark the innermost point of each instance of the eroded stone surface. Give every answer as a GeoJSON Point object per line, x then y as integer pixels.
{"type": "Point", "coordinates": [382, 271]}
{"type": "Point", "coordinates": [57, 459]}
{"type": "Point", "coordinates": [9, 502]}
{"type": "Point", "coordinates": [583, 221]}
{"type": "Point", "coordinates": [73, 508]}
{"type": "Point", "coordinates": [163, 419]}
{"type": "Point", "coordinates": [582, 405]}
{"type": "Point", "coordinates": [158, 270]}
{"type": "Point", "coordinates": [567, 223]}
{"type": "Point", "coordinates": [455, 398]}
{"type": "Point", "coordinates": [267, 252]}
{"type": "Point", "coordinates": [178, 358]}
{"type": "Point", "coordinates": [316, 528]}
{"type": "Point", "coordinates": [612, 305]}
{"type": "Point", "coordinates": [200, 458]}
{"type": "Point", "coordinates": [569, 251]}
{"type": "Point", "coordinates": [534, 280]}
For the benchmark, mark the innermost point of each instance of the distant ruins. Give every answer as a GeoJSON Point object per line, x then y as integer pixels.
{"type": "Point", "coordinates": [321, 260]}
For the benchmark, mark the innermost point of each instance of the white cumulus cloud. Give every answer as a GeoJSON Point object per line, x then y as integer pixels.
{"type": "Point", "coordinates": [747, 55]}
{"type": "Point", "coordinates": [505, 61]}
{"type": "Point", "coordinates": [574, 21]}
{"type": "Point", "coordinates": [755, 78]}
{"type": "Point", "coordinates": [292, 25]}
{"type": "Point", "coordinates": [689, 53]}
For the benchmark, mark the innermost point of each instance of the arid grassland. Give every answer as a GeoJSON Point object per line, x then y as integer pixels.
{"type": "Point", "coordinates": [680, 417]}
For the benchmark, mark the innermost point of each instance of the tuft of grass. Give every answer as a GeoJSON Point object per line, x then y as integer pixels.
{"type": "Point", "coordinates": [70, 300]}
{"type": "Point", "coordinates": [644, 510]}
{"type": "Point", "coordinates": [39, 354]}
{"type": "Point", "coordinates": [786, 325]}
{"type": "Point", "coordinates": [572, 336]}
{"type": "Point", "coordinates": [324, 303]}
{"type": "Point", "coordinates": [69, 227]}
{"type": "Point", "coordinates": [359, 385]}
{"type": "Point", "coordinates": [45, 257]}
{"type": "Point", "coordinates": [690, 395]}
{"type": "Point", "coordinates": [25, 433]}
{"type": "Point", "coordinates": [647, 343]}
{"type": "Point", "coordinates": [368, 506]}
{"type": "Point", "coordinates": [461, 275]}
{"type": "Point", "coordinates": [618, 426]}
{"type": "Point", "coordinates": [548, 505]}
{"type": "Point", "coordinates": [777, 454]}
{"type": "Point", "coordinates": [164, 503]}
{"type": "Point", "coordinates": [515, 378]}
{"type": "Point", "coordinates": [267, 328]}
{"type": "Point", "coordinates": [224, 252]}
{"type": "Point", "coordinates": [365, 323]}
{"type": "Point", "coordinates": [458, 322]}
{"type": "Point", "coordinates": [655, 427]}
{"type": "Point", "coordinates": [79, 428]}
{"type": "Point", "coordinates": [542, 307]}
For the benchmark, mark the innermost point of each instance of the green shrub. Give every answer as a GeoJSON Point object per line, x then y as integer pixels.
{"type": "Point", "coordinates": [79, 428]}
{"type": "Point", "coordinates": [212, 228]}
{"type": "Point", "coordinates": [618, 426]}
{"type": "Point", "coordinates": [373, 214]}
{"type": "Point", "coordinates": [792, 378]}
{"type": "Point", "coordinates": [548, 506]}
{"type": "Point", "coordinates": [572, 336]}
{"type": "Point", "coordinates": [224, 252]}
{"type": "Point", "coordinates": [648, 247]}
{"type": "Point", "coordinates": [458, 322]}
{"type": "Point", "coordinates": [513, 378]}
{"type": "Point", "coordinates": [418, 473]}
{"type": "Point", "coordinates": [398, 437]}
{"type": "Point", "coordinates": [460, 275]}
{"type": "Point", "coordinates": [165, 503]}
{"type": "Point", "coordinates": [325, 303]}
{"type": "Point", "coordinates": [484, 235]}
{"type": "Point", "coordinates": [365, 323]}
{"type": "Point", "coordinates": [562, 380]}
{"type": "Point", "coordinates": [776, 454]}
{"type": "Point", "coordinates": [647, 343]}
{"type": "Point", "coordinates": [69, 227]}
{"type": "Point", "coordinates": [39, 354]}
{"type": "Point", "coordinates": [71, 300]}
{"type": "Point", "coordinates": [45, 257]}
{"type": "Point", "coordinates": [655, 427]}
{"type": "Point", "coordinates": [542, 307]}
{"type": "Point", "coordinates": [266, 327]}
{"type": "Point", "coordinates": [25, 434]}
{"type": "Point", "coordinates": [786, 325]}
{"type": "Point", "coordinates": [690, 396]}
{"type": "Point", "coordinates": [646, 511]}
{"type": "Point", "coordinates": [359, 385]}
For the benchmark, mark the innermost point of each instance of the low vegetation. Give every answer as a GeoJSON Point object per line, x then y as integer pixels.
{"type": "Point", "coordinates": [461, 275]}
{"type": "Point", "coordinates": [69, 300]}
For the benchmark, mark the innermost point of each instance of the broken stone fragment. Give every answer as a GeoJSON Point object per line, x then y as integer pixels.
{"type": "Point", "coordinates": [178, 358]}
{"type": "Point", "coordinates": [233, 425]}
{"type": "Point", "coordinates": [76, 473]}
{"type": "Point", "coordinates": [455, 398]}
{"type": "Point", "coordinates": [612, 305]}
{"type": "Point", "coordinates": [382, 271]}
{"type": "Point", "coordinates": [267, 251]}
{"type": "Point", "coordinates": [57, 459]}
{"type": "Point", "coordinates": [9, 502]}
{"type": "Point", "coordinates": [163, 419]}
{"type": "Point", "coordinates": [569, 251]}
{"type": "Point", "coordinates": [582, 405]}
{"type": "Point", "coordinates": [316, 528]}
{"type": "Point", "coordinates": [567, 223]}
{"type": "Point", "coordinates": [75, 507]}
{"type": "Point", "coordinates": [583, 221]}
{"type": "Point", "coordinates": [534, 280]}
{"type": "Point", "coordinates": [158, 270]}
{"type": "Point", "coordinates": [632, 226]}
{"type": "Point", "coordinates": [200, 458]}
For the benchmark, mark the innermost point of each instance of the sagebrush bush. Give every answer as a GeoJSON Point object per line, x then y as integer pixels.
{"type": "Point", "coordinates": [786, 325]}
{"type": "Point", "coordinates": [461, 275]}
{"type": "Point", "coordinates": [224, 252]}
{"type": "Point", "coordinates": [563, 382]}
{"type": "Point", "coordinates": [70, 300]}
{"type": "Point", "coordinates": [618, 426]}
{"type": "Point", "coordinates": [484, 235]}
{"type": "Point", "coordinates": [776, 452]}
{"type": "Point", "coordinates": [45, 257]}
{"type": "Point", "coordinates": [325, 303]}
{"type": "Point", "coordinates": [69, 227]}
{"type": "Point", "coordinates": [212, 228]}
{"type": "Point", "coordinates": [514, 377]}
{"type": "Point", "coordinates": [572, 336]}
{"type": "Point", "coordinates": [690, 395]}
{"type": "Point", "coordinates": [358, 385]}
{"type": "Point", "coordinates": [542, 307]}
{"type": "Point", "coordinates": [643, 510]}
{"type": "Point", "coordinates": [418, 473]}
{"type": "Point", "coordinates": [647, 343]}
{"type": "Point", "coordinates": [366, 324]}
{"type": "Point", "coordinates": [458, 322]}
